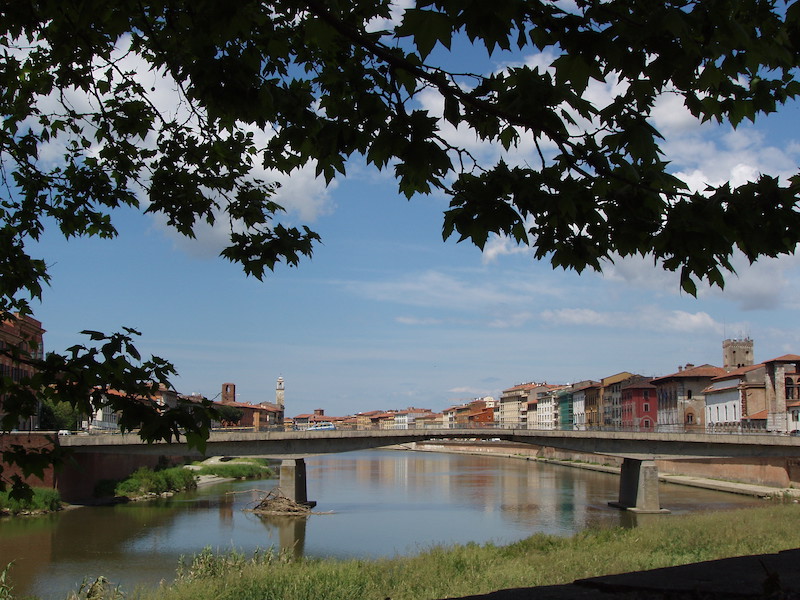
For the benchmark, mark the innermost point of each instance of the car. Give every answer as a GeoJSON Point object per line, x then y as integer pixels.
{"type": "Point", "coordinates": [321, 426]}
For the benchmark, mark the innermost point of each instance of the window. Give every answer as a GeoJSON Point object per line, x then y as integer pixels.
{"type": "Point", "coordinates": [646, 407]}
{"type": "Point", "coordinates": [689, 395]}
{"type": "Point", "coordinates": [689, 418]}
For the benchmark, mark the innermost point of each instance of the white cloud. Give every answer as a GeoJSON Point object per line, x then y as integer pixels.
{"type": "Point", "coordinates": [303, 195]}
{"type": "Point", "coordinates": [767, 284]}
{"type": "Point", "coordinates": [512, 320]}
{"type": "Point", "coordinates": [432, 289]}
{"type": "Point", "coordinates": [472, 392]}
{"type": "Point", "coordinates": [397, 8]}
{"type": "Point", "coordinates": [498, 246]}
{"type": "Point", "coordinates": [417, 321]}
{"type": "Point", "coordinates": [670, 114]}
{"type": "Point", "coordinates": [652, 319]}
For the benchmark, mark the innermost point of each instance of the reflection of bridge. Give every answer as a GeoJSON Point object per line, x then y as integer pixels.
{"type": "Point", "coordinates": [638, 488]}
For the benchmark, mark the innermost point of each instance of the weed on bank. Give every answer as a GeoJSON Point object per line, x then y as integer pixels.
{"type": "Point", "coordinates": [42, 500]}
{"type": "Point", "coordinates": [470, 569]}
{"type": "Point", "coordinates": [482, 568]}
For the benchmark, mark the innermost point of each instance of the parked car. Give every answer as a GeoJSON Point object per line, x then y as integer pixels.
{"type": "Point", "coordinates": [321, 426]}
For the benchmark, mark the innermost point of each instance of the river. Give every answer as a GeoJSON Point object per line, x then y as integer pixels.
{"type": "Point", "coordinates": [381, 503]}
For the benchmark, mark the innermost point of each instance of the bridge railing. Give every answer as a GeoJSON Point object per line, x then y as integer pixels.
{"type": "Point", "coordinates": [499, 426]}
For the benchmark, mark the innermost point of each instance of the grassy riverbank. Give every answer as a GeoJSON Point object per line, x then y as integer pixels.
{"type": "Point", "coordinates": [477, 569]}
{"type": "Point", "coordinates": [43, 500]}
{"type": "Point", "coordinates": [236, 470]}
{"type": "Point", "coordinates": [147, 482]}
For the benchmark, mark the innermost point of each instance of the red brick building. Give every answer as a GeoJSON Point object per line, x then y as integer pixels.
{"type": "Point", "coordinates": [25, 334]}
{"type": "Point", "coordinates": [259, 417]}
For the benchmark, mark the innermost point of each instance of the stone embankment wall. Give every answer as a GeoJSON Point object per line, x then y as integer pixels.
{"type": "Point", "coordinates": [771, 472]}
{"type": "Point", "coordinates": [77, 477]}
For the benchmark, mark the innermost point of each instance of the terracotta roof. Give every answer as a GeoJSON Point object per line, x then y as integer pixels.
{"type": "Point", "coordinates": [429, 416]}
{"type": "Point", "coordinates": [524, 386]}
{"type": "Point", "coordinates": [642, 382]}
{"type": "Point", "coordinates": [739, 371]}
{"type": "Point", "coordinates": [712, 390]}
{"type": "Point", "coordinates": [701, 371]}
{"type": "Point", "coordinates": [760, 415]}
{"type": "Point", "coordinates": [784, 358]}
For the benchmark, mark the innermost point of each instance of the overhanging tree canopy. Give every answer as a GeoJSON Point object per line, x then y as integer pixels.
{"type": "Point", "coordinates": [264, 88]}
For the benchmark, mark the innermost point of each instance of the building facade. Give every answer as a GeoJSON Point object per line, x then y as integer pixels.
{"type": "Point", "coordinates": [638, 405]}
{"type": "Point", "coordinates": [23, 336]}
{"type": "Point", "coordinates": [681, 397]}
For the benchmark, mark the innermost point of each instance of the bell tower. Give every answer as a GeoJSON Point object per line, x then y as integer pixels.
{"type": "Point", "coordinates": [279, 398]}
{"type": "Point", "coordinates": [228, 393]}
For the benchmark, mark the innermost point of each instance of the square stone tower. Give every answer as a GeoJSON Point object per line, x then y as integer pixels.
{"type": "Point", "coordinates": [737, 353]}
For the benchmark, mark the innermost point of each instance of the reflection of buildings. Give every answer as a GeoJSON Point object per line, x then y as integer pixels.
{"type": "Point", "coordinates": [529, 493]}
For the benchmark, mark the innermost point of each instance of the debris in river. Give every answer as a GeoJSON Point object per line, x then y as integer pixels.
{"type": "Point", "coordinates": [275, 503]}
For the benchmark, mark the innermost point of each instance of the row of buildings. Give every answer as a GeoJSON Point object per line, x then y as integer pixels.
{"type": "Point", "coordinates": [740, 396]}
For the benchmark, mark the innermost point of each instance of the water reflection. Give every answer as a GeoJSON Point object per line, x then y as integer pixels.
{"type": "Point", "coordinates": [382, 503]}
{"type": "Point", "coordinates": [291, 532]}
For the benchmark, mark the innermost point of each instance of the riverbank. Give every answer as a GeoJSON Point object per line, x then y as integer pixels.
{"type": "Point", "coordinates": [541, 566]}
{"type": "Point", "coordinates": [523, 452]}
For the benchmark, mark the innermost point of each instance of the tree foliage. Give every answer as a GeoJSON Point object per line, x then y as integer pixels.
{"type": "Point", "coordinates": [230, 414]}
{"type": "Point", "coordinates": [263, 88]}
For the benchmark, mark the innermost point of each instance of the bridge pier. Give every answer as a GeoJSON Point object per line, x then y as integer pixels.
{"type": "Point", "coordinates": [293, 480]}
{"type": "Point", "coordinates": [638, 487]}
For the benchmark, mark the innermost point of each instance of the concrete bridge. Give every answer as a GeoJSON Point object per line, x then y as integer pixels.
{"type": "Point", "coordinates": [638, 488]}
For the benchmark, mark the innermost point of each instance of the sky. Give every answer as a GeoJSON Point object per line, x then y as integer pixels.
{"type": "Point", "coordinates": [387, 315]}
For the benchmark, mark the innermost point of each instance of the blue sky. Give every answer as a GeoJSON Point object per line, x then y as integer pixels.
{"type": "Point", "coordinates": [387, 315]}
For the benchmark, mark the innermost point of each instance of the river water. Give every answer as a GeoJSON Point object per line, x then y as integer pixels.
{"type": "Point", "coordinates": [381, 503]}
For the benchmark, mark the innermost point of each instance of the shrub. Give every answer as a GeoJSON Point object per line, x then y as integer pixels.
{"type": "Point", "coordinates": [237, 471]}
{"type": "Point", "coordinates": [146, 481]}
{"type": "Point", "coordinates": [43, 499]}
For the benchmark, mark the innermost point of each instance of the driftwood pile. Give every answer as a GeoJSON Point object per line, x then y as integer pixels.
{"type": "Point", "coordinates": [275, 503]}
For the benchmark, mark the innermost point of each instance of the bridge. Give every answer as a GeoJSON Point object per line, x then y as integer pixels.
{"type": "Point", "coordinates": [638, 488]}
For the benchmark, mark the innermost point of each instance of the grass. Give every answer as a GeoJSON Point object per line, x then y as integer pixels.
{"type": "Point", "coordinates": [479, 569]}
{"type": "Point", "coordinates": [146, 481]}
{"type": "Point", "coordinates": [236, 470]}
{"type": "Point", "coordinates": [43, 500]}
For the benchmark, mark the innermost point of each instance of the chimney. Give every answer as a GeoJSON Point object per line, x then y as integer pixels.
{"type": "Point", "coordinates": [680, 368]}
{"type": "Point", "coordinates": [319, 412]}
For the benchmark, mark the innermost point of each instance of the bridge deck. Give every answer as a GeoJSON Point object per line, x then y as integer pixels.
{"type": "Point", "coordinates": [299, 444]}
